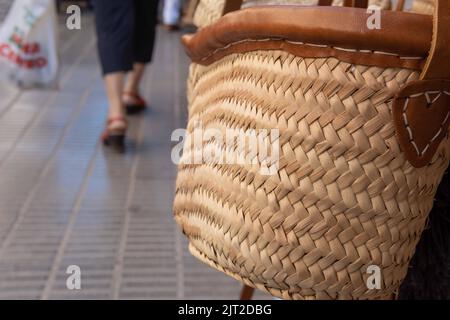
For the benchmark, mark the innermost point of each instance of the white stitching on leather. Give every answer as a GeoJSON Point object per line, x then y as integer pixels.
{"type": "Point", "coordinates": [406, 122]}
{"type": "Point", "coordinates": [308, 44]}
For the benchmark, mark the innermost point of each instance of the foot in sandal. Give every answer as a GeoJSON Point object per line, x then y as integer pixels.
{"type": "Point", "coordinates": [114, 134]}
{"type": "Point", "coordinates": [133, 103]}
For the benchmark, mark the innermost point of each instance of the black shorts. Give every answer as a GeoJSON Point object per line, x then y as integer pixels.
{"type": "Point", "coordinates": [125, 32]}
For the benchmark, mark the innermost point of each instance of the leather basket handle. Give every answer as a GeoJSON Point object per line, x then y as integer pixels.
{"type": "Point", "coordinates": [421, 109]}
{"type": "Point", "coordinates": [437, 65]}
{"type": "Point", "coordinates": [400, 5]}
{"type": "Point", "coordinates": [232, 5]}
{"type": "Point", "coordinates": [325, 3]}
{"type": "Point", "coordinates": [356, 3]}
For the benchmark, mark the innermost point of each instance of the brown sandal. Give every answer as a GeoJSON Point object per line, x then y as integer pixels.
{"type": "Point", "coordinates": [114, 133]}
{"type": "Point", "coordinates": [134, 103]}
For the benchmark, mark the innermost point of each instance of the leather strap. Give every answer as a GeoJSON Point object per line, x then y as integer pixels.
{"type": "Point", "coordinates": [437, 65]}
{"type": "Point", "coordinates": [421, 109]}
{"type": "Point", "coordinates": [135, 96]}
{"type": "Point", "coordinates": [247, 293]}
{"type": "Point", "coordinates": [400, 5]}
{"type": "Point", "coordinates": [116, 119]}
{"type": "Point", "coordinates": [356, 3]}
{"type": "Point", "coordinates": [232, 5]}
{"type": "Point", "coordinates": [325, 3]}
{"type": "Point", "coordinates": [323, 26]}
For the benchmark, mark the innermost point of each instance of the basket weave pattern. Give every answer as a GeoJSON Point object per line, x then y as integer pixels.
{"type": "Point", "coordinates": [423, 6]}
{"type": "Point", "coordinates": [344, 197]}
{"type": "Point", "coordinates": [208, 11]}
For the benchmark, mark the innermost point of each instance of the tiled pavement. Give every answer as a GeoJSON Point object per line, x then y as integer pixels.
{"type": "Point", "coordinates": [64, 200]}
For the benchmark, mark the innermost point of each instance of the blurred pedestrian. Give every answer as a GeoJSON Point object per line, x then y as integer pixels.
{"type": "Point", "coordinates": [171, 14]}
{"type": "Point", "coordinates": [126, 35]}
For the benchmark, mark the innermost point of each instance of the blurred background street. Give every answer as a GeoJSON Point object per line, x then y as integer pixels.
{"type": "Point", "coordinates": [65, 200]}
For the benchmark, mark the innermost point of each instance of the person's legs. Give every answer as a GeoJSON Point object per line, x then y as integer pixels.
{"type": "Point", "coordinates": [114, 86]}
{"type": "Point", "coordinates": [134, 78]}
{"type": "Point", "coordinates": [146, 12]}
{"type": "Point", "coordinates": [115, 25]}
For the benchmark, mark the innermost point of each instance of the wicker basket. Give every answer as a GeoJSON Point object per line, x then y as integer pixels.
{"type": "Point", "coordinates": [363, 118]}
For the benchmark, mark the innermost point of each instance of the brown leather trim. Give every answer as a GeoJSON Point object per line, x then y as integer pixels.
{"type": "Point", "coordinates": [356, 3]}
{"type": "Point", "coordinates": [422, 108]}
{"type": "Point", "coordinates": [325, 2]}
{"type": "Point", "coordinates": [402, 34]}
{"type": "Point", "coordinates": [232, 5]}
{"type": "Point", "coordinates": [247, 293]}
{"type": "Point", "coordinates": [421, 113]}
{"type": "Point", "coordinates": [400, 5]}
{"type": "Point", "coordinates": [437, 65]}
{"type": "Point", "coordinates": [310, 51]}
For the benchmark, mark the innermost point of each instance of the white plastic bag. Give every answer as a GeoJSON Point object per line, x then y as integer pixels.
{"type": "Point", "coordinates": [28, 44]}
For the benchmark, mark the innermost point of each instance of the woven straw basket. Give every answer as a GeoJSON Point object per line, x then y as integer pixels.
{"type": "Point", "coordinates": [363, 120]}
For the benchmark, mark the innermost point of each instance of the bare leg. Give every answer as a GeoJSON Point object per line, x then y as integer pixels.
{"type": "Point", "coordinates": [134, 78]}
{"type": "Point", "coordinates": [116, 127]}
{"type": "Point", "coordinates": [114, 87]}
{"type": "Point", "coordinates": [131, 98]}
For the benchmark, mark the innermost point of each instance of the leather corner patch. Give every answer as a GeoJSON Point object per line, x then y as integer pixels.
{"type": "Point", "coordinates": [421, 113]}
